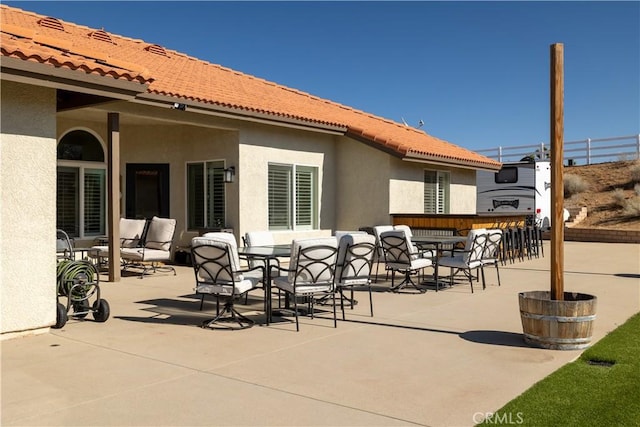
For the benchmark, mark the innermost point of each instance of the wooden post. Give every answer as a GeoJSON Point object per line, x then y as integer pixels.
{"type": "Point", "coordinates": [113, 194]}
{"type": "Point", "coordinates": [557, 187]}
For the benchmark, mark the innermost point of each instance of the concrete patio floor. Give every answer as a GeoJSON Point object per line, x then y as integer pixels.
{"type": "Point", "coordinates": [434, 359]}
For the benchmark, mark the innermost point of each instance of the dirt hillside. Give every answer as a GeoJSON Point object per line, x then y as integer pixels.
{"type": "Point", "coordinates": [607, 207]}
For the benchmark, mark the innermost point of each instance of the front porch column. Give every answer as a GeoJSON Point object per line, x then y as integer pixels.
{"type": "Point", "coordinates": [113, 195]}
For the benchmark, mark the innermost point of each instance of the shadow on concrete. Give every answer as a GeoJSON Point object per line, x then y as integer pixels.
{"type": "Point", "coordinates": [187, 312]}
{"type": "Point", "coordinates": [508, 339]}
{"type": "Point", "coordinates": [628, 275]}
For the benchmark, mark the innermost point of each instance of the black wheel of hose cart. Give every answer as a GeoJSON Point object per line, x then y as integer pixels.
{"type": "Point", "coordinates": [61, 316]}
{"type": "Point", "coordinates": [101, 310]}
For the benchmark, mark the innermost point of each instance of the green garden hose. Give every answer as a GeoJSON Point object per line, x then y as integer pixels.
{"type": "Point", "coordinates": [76, 279]}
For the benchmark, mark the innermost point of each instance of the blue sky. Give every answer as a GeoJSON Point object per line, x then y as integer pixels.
{"type": "Point", "coordinates": [476, 73]}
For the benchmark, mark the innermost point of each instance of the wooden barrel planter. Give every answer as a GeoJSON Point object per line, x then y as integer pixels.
{"type": "Point", "coordinates": [557, 325]}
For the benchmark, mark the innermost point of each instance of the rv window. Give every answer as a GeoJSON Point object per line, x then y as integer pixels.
{"type": "Point", "coordinates": [507, 175]}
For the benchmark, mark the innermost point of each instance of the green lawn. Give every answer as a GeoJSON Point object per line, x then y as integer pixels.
{"type": "Point", "coordinates": [601, 388]}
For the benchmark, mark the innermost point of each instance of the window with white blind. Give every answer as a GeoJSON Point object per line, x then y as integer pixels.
{"type": "Point", "coordinates": [205, 195]}
{"type": "Point", "coordinates": [436, 192]}
{"type": "Point", "coordinates": [293, 197]}
{"type": "Point", "coordinates": [81, 185]}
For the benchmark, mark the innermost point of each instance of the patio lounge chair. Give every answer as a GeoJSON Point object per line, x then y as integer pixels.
{"type": "Point", "coordinates": [156, 249]}
{"type": "Point", "coordinates": [131, 235]}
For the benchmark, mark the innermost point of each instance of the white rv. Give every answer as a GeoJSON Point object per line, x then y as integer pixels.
{"type": "Point", "coordinates": [520, 188]}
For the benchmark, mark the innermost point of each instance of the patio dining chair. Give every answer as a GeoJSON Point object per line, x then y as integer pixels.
{"type": "Point", "coordinates": [311, 273]}
{"type": "Point", "coordinates": [216, 266]}
{"type": "Point", "coordinates": [492, 251]}
{"type": "Point", "coordinates": [64, 246]}
{"type": "Point", "coordinates": [399, 256]}
{"type": "Point", "coordinates": [379, 255]}
{"type": "Point", "coordinates": [422, 252]}
{"type": "Point", "coordinates": [353, 266]}
{"type": "Point", "coordinates": [467, 259]}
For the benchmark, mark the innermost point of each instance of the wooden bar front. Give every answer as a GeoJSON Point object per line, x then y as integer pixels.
{"type": "Point", "coordinates": [458, 222]}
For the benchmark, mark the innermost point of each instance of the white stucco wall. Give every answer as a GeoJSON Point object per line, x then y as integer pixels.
{"type": "Point", "coordinates": [28, 208]}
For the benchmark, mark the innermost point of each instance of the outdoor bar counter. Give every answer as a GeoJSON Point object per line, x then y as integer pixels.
{"type": "Point", "coordinates": [457, 222]}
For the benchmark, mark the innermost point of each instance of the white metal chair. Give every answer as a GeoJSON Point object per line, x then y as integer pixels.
{"type": "Point", "coordinates": [467, 259]}
{"type": "Point", "coordinates": [399, 257]}
{"type": "Point", "coordinates": [217, 270]}
{"type": "Point", "coordinates": [311, 273]}
{"type": "Point", "coordinates": [353, 267]}
{"type": "Point", "coordinates": [258, 238]}
{"type": "Point", "coordinates": [379, 255]}
{"type": "Point", "coordinates": [492, 251]}
{"type": "Point", "coordinates": [424, 253]}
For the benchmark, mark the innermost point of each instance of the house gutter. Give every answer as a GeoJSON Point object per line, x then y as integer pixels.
{"type": "Point", "coordinates": [458, 163]}
{"type": "Point", "coordinates": [38, 74]}
{"type": "Point", "coordinates": [163, 101]}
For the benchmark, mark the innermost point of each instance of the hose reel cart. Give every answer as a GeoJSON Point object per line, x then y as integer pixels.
{"type": "Point", "coordinates": [78, 282]}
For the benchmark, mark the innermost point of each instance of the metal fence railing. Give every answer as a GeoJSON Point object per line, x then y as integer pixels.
{"type": "Point", "coordinates": [587, 151]}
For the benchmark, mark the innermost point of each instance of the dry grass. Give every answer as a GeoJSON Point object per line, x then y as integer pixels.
{"type": "Point", "coordinates": [611, 194]}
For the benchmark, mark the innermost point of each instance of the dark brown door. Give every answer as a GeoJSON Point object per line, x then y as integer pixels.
{"type": "Point", "coordinates": [147, 190]}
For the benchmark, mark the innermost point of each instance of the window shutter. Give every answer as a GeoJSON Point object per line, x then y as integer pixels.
{"type": "Point", "coordinates": [430, 192]}
{"type": "Point", "coordinates": [94, 202]}
{"type": "Point", "coordinates": [67, 200]}
{"type": "Point", "coordinates": [443, 192]}
{"type": "Point", "coordinates": [215, 195]}
{"type": "Point", "coordinates": [280, 189]}
{"type": "Point", "coordinates": [195, 195]}
{"type": "Point", "coordinates": [304, 197]}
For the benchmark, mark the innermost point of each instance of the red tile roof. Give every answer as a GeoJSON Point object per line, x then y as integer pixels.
{"type": "Point", "coordinates": [47, 40]}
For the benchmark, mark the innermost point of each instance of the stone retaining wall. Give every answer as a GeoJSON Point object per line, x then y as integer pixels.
{"type": "Point", "coordinates": [598, 235]}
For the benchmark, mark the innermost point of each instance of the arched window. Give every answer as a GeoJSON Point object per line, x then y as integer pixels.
{"type": "Point", "coordinates": [81, 185]}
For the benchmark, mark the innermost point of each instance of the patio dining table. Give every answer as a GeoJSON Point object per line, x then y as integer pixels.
{"type": "Point", "coordinates": [268, 254]}
{"type": "Point", "coordinates": [439, 243]}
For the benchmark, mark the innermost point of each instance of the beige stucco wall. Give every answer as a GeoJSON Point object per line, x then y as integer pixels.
{"type": "Point", "coordinates": [463, 191]}
{"type": "Point", "coordinates": [28, 208]}
{"type": "Point", "coordinates": [362, 192]}
{"type": "Point", "coordinates": [261, 145]}
{"type": "Point", "coordinates": [249, 150]}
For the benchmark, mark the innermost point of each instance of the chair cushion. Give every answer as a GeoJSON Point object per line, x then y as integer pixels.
{"type": "Point", "coordinates": [415, 264]}
{"type": "Point", "coordinates": [131, 232]}
{"type": "Point", "coordinates": [242, 286]}
{"type": "Point", "coordinates": [220, 240]}
{"type": "Point", "coordinates": [144, 254]}
{"type": "Point", "coordinates": [286, 285]}
{"type": "Point", "coordinates": [458, 261]}
{"type": "Point", "coordinates": [314, 270]}
{"type": "Point", "coordinates": [259, 238]}
{"type": "Point", "coordinates": [356, 271]}
{"type": "Point", "coordinates": [160, 233]}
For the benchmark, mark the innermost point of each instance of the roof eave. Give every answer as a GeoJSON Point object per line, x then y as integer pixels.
{"type": "Point", "coordinates": [35, 73]}
{"type": "Point", "coordinates": [490, 165]}
{"type": "Point", "coordinates": [240, 113]}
